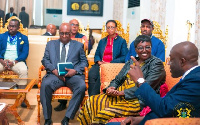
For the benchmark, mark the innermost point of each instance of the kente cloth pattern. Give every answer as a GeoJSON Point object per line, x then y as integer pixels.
{"type": "Point", "coordinates": [101, 108]}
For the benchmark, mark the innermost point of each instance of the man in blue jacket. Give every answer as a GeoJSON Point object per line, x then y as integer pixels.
{"type": "Point", "coordinates": [158, 48]}
{"type": "Point", "coordinates": [14, 48]}
{"type": "Point", "coordinates": [181, 100]}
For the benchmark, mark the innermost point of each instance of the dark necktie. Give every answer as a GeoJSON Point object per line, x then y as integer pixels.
{"type": "Point", "coordinates": [63, 54]}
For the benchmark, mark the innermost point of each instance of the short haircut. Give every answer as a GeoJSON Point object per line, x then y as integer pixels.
{"type": "Point", "coordinates": [23, 8]}
{"type": "Point", "coordinates": [142, 38]}
{"type": "Point", "coordinates": [111, 21]}
{"type": "Point", "coordinates": [16, 21]}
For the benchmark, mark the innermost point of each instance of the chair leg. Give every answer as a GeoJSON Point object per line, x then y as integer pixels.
{"type": "Point", "coordinates": [38, 122]}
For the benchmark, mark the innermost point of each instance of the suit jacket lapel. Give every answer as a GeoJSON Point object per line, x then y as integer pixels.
{"type": "Point", "coordinates": [71, 46]}
{"type": "Point", "coordinates": [57, 47]}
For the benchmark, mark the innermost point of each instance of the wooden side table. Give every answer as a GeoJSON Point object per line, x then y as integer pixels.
{"type": "Point", "coordinates": [3, 118]}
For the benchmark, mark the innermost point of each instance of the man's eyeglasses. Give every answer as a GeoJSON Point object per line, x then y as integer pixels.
{"type": "Point", "coordinates": [74, 24]}
{"type": "Point", "coordinates": [110, 27]}
{"type": "Point", "coordinates": [64, 33]}
{"type": "Point", "coordinates": [141, 48]}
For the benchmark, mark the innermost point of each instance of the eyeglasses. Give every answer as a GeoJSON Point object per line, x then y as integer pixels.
{"type": "Point", "coordinates": [64, 33]}
{"type": "Point", "coordinates": [110, 27]}
{"type": "Point", "coordinates": [141, 48]}
{"type": "Point", "coordinates": [74, 24]}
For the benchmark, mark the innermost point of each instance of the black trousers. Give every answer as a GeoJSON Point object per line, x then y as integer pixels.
{"type": "Point", "coordinates": [94, 80]}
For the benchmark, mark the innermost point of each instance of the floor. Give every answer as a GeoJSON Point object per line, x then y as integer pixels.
{"type": "Point", "coordinates": [29, 116]}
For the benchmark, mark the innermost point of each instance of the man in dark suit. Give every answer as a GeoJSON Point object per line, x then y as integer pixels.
{"type": "Point", "coordinates": [2, 15]}
{"type": "Point", "coordinates": [50, 30]}
{"type": "Point", "coordinates": [70, 51]}
{"type": "Point", "coordinates": [8, 15]}
{"type": "Point", "coordinates": [182, 98]}
{"type": "Point", "coordinates": [24, 17]}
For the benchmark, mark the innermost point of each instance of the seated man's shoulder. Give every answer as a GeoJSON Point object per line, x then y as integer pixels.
{"type": "Point", "coordinates": [155, 39]}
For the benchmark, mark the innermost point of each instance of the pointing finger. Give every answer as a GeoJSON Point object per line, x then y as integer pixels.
{"type": "Point", "coordinates": [134, 60]}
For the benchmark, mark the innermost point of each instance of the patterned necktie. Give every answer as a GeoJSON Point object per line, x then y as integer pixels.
{"type": "Point", "coordinates": [63, 54]}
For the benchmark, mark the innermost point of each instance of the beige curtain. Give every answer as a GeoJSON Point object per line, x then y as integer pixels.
{"type": "Point", "coordinates": [3, 5]}
{"type": "Point", "coordinates": [158, 12]}
{"type": "Point", "coordinates": [56, 4]}
{"type": "Point", "coordinates": [118, 10]}
{"type": "Point", "coordinates": [197, 24]}
{"type": "Point", "coordinates": [17, 4]}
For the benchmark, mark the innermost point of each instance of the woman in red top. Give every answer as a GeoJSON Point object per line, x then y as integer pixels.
{"type": "Point", "coordinates": [111, 49]}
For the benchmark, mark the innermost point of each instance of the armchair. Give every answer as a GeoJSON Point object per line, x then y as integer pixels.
{"type": "Point", "coordinates": [6, 73]}
{"type": "Point", "coordinates": [108, 73]}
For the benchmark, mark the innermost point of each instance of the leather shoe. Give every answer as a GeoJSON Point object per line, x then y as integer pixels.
{"type": "Point", "coordinates": [60, 107]}
{"type": "Point", "coordinates": [23, 105]}
{"type": "Point", "coordinates": [65, 121]}
{"type": "Point", "coordinates": [48, 122]}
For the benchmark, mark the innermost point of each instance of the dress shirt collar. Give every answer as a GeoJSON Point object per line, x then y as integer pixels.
{"type": "Point", "coordinates": [188, 71]}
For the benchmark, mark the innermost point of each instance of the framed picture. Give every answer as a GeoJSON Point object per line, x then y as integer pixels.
{"type": "Point", "coordinates": [85, 7]}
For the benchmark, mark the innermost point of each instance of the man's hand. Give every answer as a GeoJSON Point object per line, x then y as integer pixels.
{"type": "Point", "coordinates": [4, 63]}
{"type": "Point", "coordinates": [70, 73]}
{"type": "Point", "coordinates": [9, 64]}
{"type": "Point", "coordinates": [135, 72]}
{"type": "Point", "coordinates": [55, 72]}
{"type": "Point", "coordinates": [132, 120]}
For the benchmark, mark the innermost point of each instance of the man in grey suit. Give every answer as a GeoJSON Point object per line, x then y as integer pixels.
{"type": "Point", "coordinates": [24, 17]}
{"type": "Point", "coordinates": [74, 79]}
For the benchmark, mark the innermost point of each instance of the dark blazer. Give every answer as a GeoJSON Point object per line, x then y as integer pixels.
{"type": "Point", "coordinates": [185, 94]}
{"type": "Point", "coordinates": [24, 17]}
{"type": "Point", "coordinates": [119, 50]}
{"type": "Point", "coordinates": [153, 72]}
{"type": "Point", "coordinates": [76, 56]}
{"type": "Point", "coordinates": [22, 46]}
{"type": "Point", "coordinates": [46, 34]}
{"type": "Point", "coordinates": [8, 16]}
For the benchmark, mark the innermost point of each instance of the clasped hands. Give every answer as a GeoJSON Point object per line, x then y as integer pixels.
{"type": "Point", "coordinates": [70, 73]}
{"type": "Point", "coordinates": [112, 92]}
{"type": "Point", "coordinates": [7, 64]}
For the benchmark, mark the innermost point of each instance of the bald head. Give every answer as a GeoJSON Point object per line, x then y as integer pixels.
{"type": "Point", "coordinates": [51, 29]}
{"type": "Point", "coordinates": [187, 50]}
{"type": "Point", "coordinates": [183, 56]}
{"type": "Point", "coordinates": [65, 32]}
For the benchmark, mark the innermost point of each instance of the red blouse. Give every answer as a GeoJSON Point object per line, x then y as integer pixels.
{"type": "Point", "coordinates": [108, 52]}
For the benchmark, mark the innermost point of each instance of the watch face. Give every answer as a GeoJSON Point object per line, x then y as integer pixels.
{"type": "Point", "coordinates": [141, 80]}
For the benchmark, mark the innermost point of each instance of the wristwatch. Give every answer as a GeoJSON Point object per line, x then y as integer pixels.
{"type": "Point", "coordinates": [140, 81]}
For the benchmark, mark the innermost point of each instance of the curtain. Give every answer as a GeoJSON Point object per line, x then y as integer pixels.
{"type": "Point", "coordinates": [197, 24]}
{"type": "Point", "coordinates": [18, 4]}
{"type": "Point", "coordinates": [118, 10]}
{"type": "Point", "coordinates": [3, 5]}
{"type": "Point", "coordinates": [55, 4]}
{"type": "Point", "coordinates": [158, 12]}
